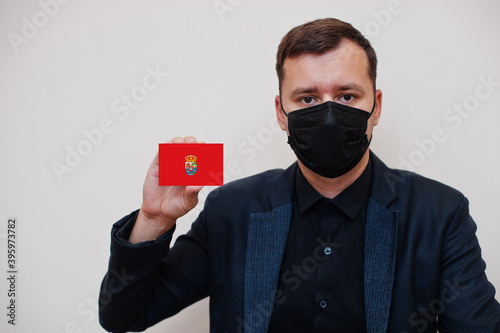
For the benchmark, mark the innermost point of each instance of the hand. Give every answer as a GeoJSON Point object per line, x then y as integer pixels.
{"type": "Point", "coordinates": [162, 205]}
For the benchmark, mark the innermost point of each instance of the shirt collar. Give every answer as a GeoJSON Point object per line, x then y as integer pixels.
{"type": "Point", "coordinates": [349, 201]}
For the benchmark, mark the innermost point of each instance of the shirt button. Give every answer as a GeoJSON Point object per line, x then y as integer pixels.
{"type": "Point", "coordinates": [323, 304]}
{"type": "Point", "coordinates": [328, 250]}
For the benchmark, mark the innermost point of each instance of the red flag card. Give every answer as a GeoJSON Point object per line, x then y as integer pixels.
{"type": "Point", "coordinates": [191, 164]}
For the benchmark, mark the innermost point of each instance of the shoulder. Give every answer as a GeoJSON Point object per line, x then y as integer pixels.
{"type": "Point", "coordinates": [422, 201]}
{"type": "Point", "coordinates": [415, 185]}
{"type": "Point", "coordinates": [390, 183]}
{"type": "Point", "coordinates": [400, 188]}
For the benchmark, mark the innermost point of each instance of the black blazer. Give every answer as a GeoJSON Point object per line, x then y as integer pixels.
{"type": "Point", "coordinates": [423, 268]}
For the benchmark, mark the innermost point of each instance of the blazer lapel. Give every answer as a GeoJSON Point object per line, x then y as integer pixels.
{"type": "Point", "coordinates": [267, 237]}
{"type": "Point", "coordinates": [380, 263]}
{"type": "Point", "coordinates": [380, 248]}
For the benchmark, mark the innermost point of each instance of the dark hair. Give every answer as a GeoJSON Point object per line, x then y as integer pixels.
{"type": "Point", "coordinates": [321, 36]}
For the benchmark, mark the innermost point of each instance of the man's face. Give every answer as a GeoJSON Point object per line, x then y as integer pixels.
{"type": "Point", "coordinates": [340, 76]}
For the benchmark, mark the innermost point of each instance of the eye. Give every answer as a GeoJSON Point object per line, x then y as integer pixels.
{"type": "Point", "coordinates": [346, 98]}
{"type": "Point", "coordinates": [308, 100]}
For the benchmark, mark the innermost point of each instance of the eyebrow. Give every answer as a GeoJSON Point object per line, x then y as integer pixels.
{"type": "Point", "coordinates": [350, 86]}
{"type": "Point", "coordinates": [300, 91]}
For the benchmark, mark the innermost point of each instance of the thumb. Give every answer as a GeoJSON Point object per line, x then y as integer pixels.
{"type": "Point", "coordinates": [191, 195]}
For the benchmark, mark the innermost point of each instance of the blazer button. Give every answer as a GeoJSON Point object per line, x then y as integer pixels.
{"type": "Point", "coordinates": [323, 304]}
{"type": "Point", "coordinates": [328, 250]}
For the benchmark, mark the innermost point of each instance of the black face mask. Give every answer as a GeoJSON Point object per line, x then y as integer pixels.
{"type": "Point", "coordinates": [329, 138]}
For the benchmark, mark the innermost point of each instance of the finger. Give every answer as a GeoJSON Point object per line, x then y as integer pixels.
{"type": "Point", "coordinates": [190, 139]}
{"type": "Point", "coordinates": [156, 160]}
{"type": "Point", "coordinates": [190, 190]}
{"type": "Point", "coordinates": [178, 139]}
{"type": "Point", "coordinates": [201, 142]}
{"type": "Point", "coordinates": [191, 195]}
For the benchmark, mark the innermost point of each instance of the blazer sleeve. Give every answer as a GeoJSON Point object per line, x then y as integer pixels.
{"type": "Point", "coordinates": [466, 302]}
{"type": "Point", "coordinates": [148, 282]}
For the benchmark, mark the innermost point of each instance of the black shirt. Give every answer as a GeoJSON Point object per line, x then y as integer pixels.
{"type": "Point", "coordinates": [321, 287]}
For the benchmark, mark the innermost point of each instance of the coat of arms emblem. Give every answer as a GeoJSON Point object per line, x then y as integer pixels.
{"type": "Point", "coordinates": [190, 165]}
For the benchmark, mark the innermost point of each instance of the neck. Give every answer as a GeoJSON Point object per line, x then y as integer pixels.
{"type": "Point", "coordinates": [331, 187]}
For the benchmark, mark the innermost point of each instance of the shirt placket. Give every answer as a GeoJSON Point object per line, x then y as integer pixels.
{"type": "Point", "coordinates": [330, 221]}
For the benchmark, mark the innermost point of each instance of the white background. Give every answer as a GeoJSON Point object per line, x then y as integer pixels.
{"type": "Point", "coordinates": [221, 85]}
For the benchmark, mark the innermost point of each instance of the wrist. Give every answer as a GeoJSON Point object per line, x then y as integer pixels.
{"type": "Point", "coordinates": [149, 228]}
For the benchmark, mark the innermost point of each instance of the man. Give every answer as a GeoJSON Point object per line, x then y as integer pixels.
{"type": "Point", "coordinates": [338, 242]}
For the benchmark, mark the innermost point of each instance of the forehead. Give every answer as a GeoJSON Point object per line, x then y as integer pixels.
{"type": "Point", "coordinates": [348, 63]}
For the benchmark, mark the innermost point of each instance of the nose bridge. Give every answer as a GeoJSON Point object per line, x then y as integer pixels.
{"type": "Point", "coordinates": [327, 95]}
{"type": "Point", "coordinates": [329, 115]}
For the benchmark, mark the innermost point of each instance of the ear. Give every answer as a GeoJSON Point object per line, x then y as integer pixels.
{"type": "Point", "coordinates": [280, 116]}
{"type": "Point", "coordinates": [378, 107]}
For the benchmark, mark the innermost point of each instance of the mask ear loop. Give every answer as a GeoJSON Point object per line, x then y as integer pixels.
{"type": "Point", "coordinates": [281, 103]}
{"type": "Point", "coordinates": [371, 112]}
{"type": "Point", "coordinates": [373, 107]}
